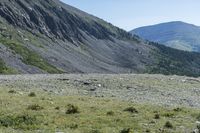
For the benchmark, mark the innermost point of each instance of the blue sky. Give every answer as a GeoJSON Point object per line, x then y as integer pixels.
{"type": "Point", "coordinates": [129, 14]}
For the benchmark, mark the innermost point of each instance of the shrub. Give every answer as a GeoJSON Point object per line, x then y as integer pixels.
{"type": "Point", "coordinates": [178, 109]}
{"type": "Point", "coordinates": [169, 115]}
{"type": "Point", "coordinates": [35, 107]}
{"type": "Point", "coordinates": [168, 125]}
{"type": "Point", "coordinates": [95, 131]}
{"type": "Point", "coordinates": [12, 91]}
{"type": "Point", "coordinates": [157, 116]}
{"type": "Point", "coordinates": [24, 121]}
{"type": "Point", "coordinates": [110, 113]}
{"type": "Point", "coordinates": [73, 126]}
{"type": "Point", "coordinates": [198, 127]}
{"type": "Point", "coordinates": [131, 109]}
{"type": "Point", "coordinates": [7, 121]}
{"type": "Point", "coordinates": [148, 131]}
{"type": "Point", "coordinates": [125, 130]}
{"type": "Point", "coordinates": [71, 109]}
{"type": "Point", "coordinates": [57, 108]}
{"type": "Point", "coordinates": [32, 94]}
{"type": "Point", "coordinates": [198, 117]}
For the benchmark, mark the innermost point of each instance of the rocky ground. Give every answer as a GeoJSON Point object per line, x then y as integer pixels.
{"type": "Point", "coordinates": [99, 103]}
{"type": "Point", "coordinates": [154, 89]}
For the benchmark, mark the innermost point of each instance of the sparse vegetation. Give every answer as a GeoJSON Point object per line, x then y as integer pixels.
{"type": "Point", "coordinates": [4, 69]}
{"type": "Point", "coordinates": [51, 117]}
{"type": "Point", "coordinates": [28, 57]}
{"type": "Point", "coordinates": [51, 111]}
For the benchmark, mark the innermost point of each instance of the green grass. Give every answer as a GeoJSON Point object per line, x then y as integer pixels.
{"type": "Point", "coordinates": [29, 57]}
{"type": "Point", "coordinates": [4, 69]}
{"type": "Point", "coordinates": [19, 112]}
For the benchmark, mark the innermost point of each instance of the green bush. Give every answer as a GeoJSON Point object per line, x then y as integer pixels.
{"type": "Point", "coordinates": [198, 127]}
{"type": "Point", "coordinates": [95, 131]}
{"type": "Point", "coordinates": [32, 94]}
{"type": "Point", "coordinates": [168, 125]}
{"type": "Point", "coordinates": [73, 126]}
{"type": "Point", "coordinates": [110, 113]}
{"type": "Point", "coordinates": [71, 109]}
{"type": "Point", "coordinates": [198, 117]}
{"type": "Point", "coordinates": [57, 108]}
{"type": "Point", "coordinates": [24, 121]}
{"type": "Point", "coordinates": [148, 131]}
{"type": "Point", "coordinates": [169, 114]}
{"type": "Point", "coordinates": [131, 110]}
{"type": "Point", "coordinates": [125, 130]}
{"type": "Point", "coordinates": [12, 91]}
{"type": "Point", "coordinates": [178, 109]}
{"type": "Point", "coordinates": [35, 107]}
{"type": "Point", "coordinates": [157, 116]}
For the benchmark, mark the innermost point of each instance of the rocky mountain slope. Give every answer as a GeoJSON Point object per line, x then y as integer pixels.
{"type": "Point", "coordinates": [178, 35]}
{"type": "Point", "coordinates": [38, 36]}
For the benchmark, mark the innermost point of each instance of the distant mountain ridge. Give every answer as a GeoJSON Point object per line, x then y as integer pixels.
{"type": "Point", "coordinates": [48, 36]}
{"type": "Point", "coordinates": [177, 34]}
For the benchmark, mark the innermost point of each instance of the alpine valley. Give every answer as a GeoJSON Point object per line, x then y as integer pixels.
{"type": "Point", "coordinates": [48, 36]}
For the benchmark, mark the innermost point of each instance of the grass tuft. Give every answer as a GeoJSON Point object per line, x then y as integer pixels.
{"type": "Point", "coordinates": [111, 113]}
{"type": "Point", "coordinates": [35, 107]}
{"type": "Point", "coordinates": [168, 125]}
{"type": "Point", "coordinates": [131, 110]}
{"type": "Point", "coordinates": [71, 109]}
{"type": "Point", "coordinates": [157, 116]}
{"type": "Point", "coordinates": [125, 130]}
{"type": "Point", "coordinates": [32, 94]}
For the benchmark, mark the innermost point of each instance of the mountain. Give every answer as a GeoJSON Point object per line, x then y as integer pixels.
{"type": "Point", "coordinates": [176, 34]}
{"type": "Point", "coordinates": [48, 36]}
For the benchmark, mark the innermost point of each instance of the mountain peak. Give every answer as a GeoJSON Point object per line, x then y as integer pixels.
{"type": "Point", "coordinates": [175, 34]}
{"type": "Point", "coordinates": [177, 23]}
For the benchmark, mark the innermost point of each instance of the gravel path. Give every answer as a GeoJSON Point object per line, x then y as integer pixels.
{"type": "Point", "coordinates": [156, 89]}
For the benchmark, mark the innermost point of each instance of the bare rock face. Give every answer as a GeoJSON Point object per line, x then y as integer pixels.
{"type": "Point", "coordinates": [49, 17]}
